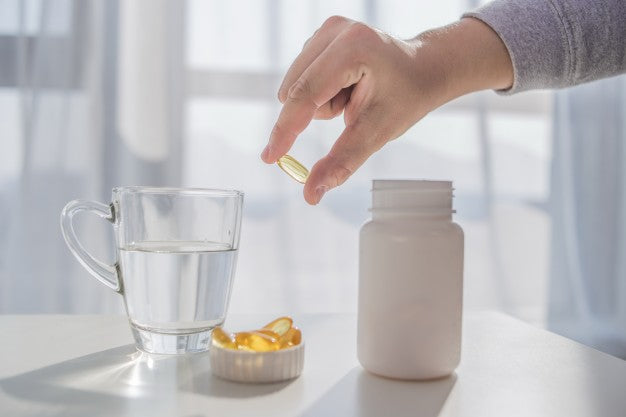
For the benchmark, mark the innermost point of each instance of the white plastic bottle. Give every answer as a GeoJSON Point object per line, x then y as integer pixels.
{"type": "Point", "coordinates": [410, 281]}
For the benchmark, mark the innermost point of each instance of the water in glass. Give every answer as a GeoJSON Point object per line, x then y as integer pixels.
{"type": "Point", "coordinates": [177, 287]}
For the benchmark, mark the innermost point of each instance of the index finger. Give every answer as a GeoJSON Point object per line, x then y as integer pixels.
{"type": "Point", "coordinates": [331, 28]}
{"type": "Point", "coordinates": [295, 116]}
{"type": "Point", "coordinates": [333, 70]}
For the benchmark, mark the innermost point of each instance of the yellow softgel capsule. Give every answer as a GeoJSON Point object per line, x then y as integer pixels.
{"type": "Point", "coordinates": [222, 339]}
{"type": "Point", "coordinates": [293, 168]}
{"type": "Point", "coordinates": [292, 337]}
{"type": "Point", "coordinates": [269, 333]}
{"type": "Point", "coordinates": [256, 341]}
{"type": "Point", "coordinates": [280, 326]}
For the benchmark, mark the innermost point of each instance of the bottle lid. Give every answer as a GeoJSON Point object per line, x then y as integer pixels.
{"type": "Point", "coordinates": [418, 196]}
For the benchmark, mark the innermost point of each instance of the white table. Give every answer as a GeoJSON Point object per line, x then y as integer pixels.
{"type": "Point", "coordinates": [86, 366]}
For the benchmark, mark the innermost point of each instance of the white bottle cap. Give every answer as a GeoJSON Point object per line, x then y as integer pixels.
{"type": "Point", "coordinates": [419, 196]}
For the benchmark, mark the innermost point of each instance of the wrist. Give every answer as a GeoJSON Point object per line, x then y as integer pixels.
{"type": "Point", "coordinates": [468, 56]}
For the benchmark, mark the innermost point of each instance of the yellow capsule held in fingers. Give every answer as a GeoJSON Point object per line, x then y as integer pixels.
{"type": "Point", "coordinates": [280, 326]}
{"type": "Point", "coordinates": [293, 168]}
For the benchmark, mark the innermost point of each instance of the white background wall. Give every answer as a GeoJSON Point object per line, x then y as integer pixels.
{"type": "Point", "coordinates": [219, 99]}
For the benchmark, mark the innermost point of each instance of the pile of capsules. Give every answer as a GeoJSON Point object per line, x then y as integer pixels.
{"type": "Point", "coordinates": [276, 335]}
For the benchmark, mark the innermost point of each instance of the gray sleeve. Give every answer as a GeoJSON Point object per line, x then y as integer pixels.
{"type": "Point", "coordinates": [559, 43]}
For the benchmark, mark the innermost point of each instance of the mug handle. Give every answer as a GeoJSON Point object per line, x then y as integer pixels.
{"type": "Point", "coordinates": [105, 273]}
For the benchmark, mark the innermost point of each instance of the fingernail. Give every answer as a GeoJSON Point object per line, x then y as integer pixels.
{"type": "Point", "coordinates": [320, 191]}
{"type": "Point", "coordinates": [266, 152]}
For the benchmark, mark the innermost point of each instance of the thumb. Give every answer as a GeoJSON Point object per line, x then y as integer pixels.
{"type": "Point", "coordinates": [354, 146]}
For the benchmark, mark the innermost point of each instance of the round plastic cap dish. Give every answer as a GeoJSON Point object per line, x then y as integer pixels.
{"type": "Point", "coordinates": [257, 367]}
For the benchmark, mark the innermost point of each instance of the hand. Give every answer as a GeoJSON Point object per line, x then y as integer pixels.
{"type": "Point", "coordinates": [381, 84]}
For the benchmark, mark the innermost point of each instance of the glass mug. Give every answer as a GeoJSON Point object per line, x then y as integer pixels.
{"type": "Point", "coordinates": [176, 256]}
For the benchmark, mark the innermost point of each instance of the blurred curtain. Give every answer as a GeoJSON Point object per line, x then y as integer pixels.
{"type": "Point", "coordinates": [96, 95]}
{"type": "Point", "coordinates": [587, 293]}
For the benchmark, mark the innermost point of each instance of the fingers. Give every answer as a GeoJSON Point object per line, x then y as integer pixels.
{"type": "Point", "coordinates": [335, 69]}
{"type": "Point", "coordinates": [331, 28]}
{"type": "Point", "coordinates": [322, 82]}
{"type": "Point", "coordinates": [334, 107]}
{"type": "Point", "coordinates": [357, 143]}
{"type": "Point", "coordinates": [295, 116]}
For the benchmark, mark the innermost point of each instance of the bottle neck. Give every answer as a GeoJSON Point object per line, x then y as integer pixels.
{"type": "Point", "coordinates": [413, 215]}
{"type": "Point", "coordinates": [417, 199]}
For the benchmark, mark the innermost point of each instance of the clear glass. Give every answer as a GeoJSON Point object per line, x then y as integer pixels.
{"type": "Point", "coordinates": [176, 257]}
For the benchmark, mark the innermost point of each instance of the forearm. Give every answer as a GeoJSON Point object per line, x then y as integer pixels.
{"type": "Point", "coordinates": [559, 43]}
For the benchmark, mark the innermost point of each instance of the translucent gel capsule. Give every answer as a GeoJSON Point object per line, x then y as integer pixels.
{"type": "Point", "coordinates": [293, 168]}
{"type": "Point", "coordinates": [222, 339]}
{"type": "Point", "coordinates": [280, 326]}
{"type": "Point", "coordinates": [255, 341]}
{"type": "Point", "coordinates": [269, 333]}
{"type": "Point", "coordinates": [292, 337]}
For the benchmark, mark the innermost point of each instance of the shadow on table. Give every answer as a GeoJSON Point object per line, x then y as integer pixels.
{"type": "Point", "coordinates": [122, 378]}
{"type": "Point", "coordinates": [360, 393]}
